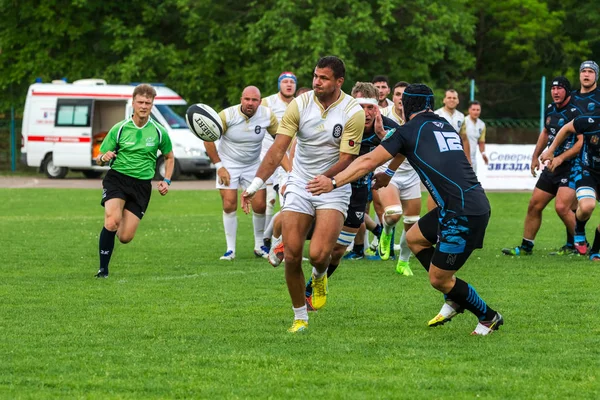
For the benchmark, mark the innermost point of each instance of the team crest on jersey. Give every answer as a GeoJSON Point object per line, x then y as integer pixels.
{"type": "Point", "coordinates": [459, 124]}
{"type": "Point", "coordinates": [591, 107]}
{"type": "Point", "coordinates": [594, 140]}
{"type": "Point", "coordinates": [561, 122]}
{"type": "Point", "coordinates": [548, 121]}
{"type": "Point", "coordinates": [480, 130]}
{"type": "Point", "coordinates": [337, 131]}
{"type": "Point", "coordinates": [257, 129]}
{"type": "Point", "coordinates": [439, 124]}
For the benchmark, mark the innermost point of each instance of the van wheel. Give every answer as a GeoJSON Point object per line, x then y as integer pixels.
{"type": "Point", "coordinates": [92, 174]}
{"type": "Point", "coordinates": [160, 169]}
{"type": "Point", "coordinates": [52, 171]}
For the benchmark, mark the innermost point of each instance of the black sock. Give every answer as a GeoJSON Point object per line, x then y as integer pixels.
{"type": "Point", "coordinates": [377, 231]}
{"type": "Point", "coordinates": [106, 246]}
{"type": "Point", "coordinates": [466, 296]}
{"type": "Point", "coordinates": [580, 226]}
{"type": "Point", "coordinates": [425, 257]}
{"type": "Point", "coordinates": [331, 269]}
{"type": "Point", "coordinates": [527, 244]}
{"type": "Point", "coordinates": [596, 245]}
{"type": "Point", "coordinates": [358, 249]}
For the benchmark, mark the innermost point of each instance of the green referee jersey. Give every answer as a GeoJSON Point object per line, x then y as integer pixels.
{"type": "Point", "coordinates": [136, 147]}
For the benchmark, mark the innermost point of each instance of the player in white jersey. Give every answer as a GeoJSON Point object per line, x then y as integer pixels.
{"type": "Point", "coordinates": [278, 102]}
{"type": "Point", "coordinates": [328, 125]}
{"type": "Point", "coordinates": [404, 194]}
{"type": "Point", "coordinates": [236, 161]}
{"type": "Point", "coordinates": [474, 129]}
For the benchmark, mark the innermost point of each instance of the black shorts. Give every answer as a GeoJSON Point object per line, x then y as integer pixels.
{"type": "Point", "coordinates": [550, 182]}
{"type": "Point", "coordinates": [356, 209]}
{"type": "Point", "coordinates": [135, 192]}
{"type": "Point", "coordinates": [455, 237]}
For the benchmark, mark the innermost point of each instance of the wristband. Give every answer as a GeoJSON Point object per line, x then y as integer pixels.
{"type": "Point", "coordinates": [218, 166]}
{"type": "Point", "coordinates": [390, 172]}
{"type": "Point", "coordinates": [255, 185]}
{"type": "Point", "coordinates": [334, 183]}
{"type": "Point", "coordinates": [167, 181]}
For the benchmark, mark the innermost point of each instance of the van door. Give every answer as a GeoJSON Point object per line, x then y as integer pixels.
{"type": "Point", "coordinates": [73, 127]}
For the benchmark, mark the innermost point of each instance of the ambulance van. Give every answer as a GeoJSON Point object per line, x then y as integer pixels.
{"type": "Point", "coordinates": [64, 124]}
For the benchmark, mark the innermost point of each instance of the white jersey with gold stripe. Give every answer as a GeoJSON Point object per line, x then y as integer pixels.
{"type": "Point", "coordinates": [322, 133]}
{"type": "Point", "coordinates": [455, 119]}
{"type": "Point", "coordinates": [475, 132]}
{"type": "Point", "coordinates": [242, 136]}
{"type": "Point", "coordinates": [278, 107]}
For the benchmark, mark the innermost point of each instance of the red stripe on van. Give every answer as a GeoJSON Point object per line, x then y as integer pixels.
{"type": "Point", "coordinates": [120, 96]}
{"type": "Point", "coordinates": [61, 139]}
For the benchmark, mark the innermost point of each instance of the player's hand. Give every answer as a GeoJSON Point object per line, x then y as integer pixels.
{"type": "Point", "coordinates": [223, 176]}
{"type": "Point", "coordinates": [378, 127]}
{"type": "Point", "coordinates": [319, 184]}
{"type": "Point", "coordinates": [547, 155]}
{"type": "Point", "coordinates": [106, 157]}
{"type": "Point", "coordinates": [163, 188]}
{"type": "Point", "coordinates": [556, 162]}
{"type": "Point", "coordinates": [485, 159]}
{"type": "Point", "coordinates": [535, 166]}
{"type": "Point", "coordinates": [247, 201]}
{"type": "Point", "coordinates": [381, 180]}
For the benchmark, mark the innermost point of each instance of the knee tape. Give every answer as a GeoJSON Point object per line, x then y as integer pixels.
{"type": "Point", "coordinates": [586, 192]}
{"type": "Point", "coordinates": [393, 210]}
{"type": "Point", "coordinates": [411, 219]}
{"type": "Point", "coordinates": [345, 238]}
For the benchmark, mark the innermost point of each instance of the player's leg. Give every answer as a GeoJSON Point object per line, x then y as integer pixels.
{"type": "Point", "coordinates": [328, 225]}
{"type": "Point", "coordinates": [544, 191]}
{"type": "Point", "coordinates": [259, 205]}
{"type": "Point", "coordinates": [230, 222]}
{"type": "Point", "coordinates": [412, 210]}
{"type": "Point", "coordinates": [295, 226]}
{"type": "Point", "coordinates": [113, 214]}
{"type": "Point", "coordinates": [563, 205]}
{"type": "Point", "coordinates": [586, 197]}
{"type": "Point", "coordinates": [269, 213]}
{"type": "Point", "coordinates": [392, 212]}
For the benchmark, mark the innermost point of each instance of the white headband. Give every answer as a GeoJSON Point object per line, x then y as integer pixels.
{"type": "Point", "coordinates": [366, 100]}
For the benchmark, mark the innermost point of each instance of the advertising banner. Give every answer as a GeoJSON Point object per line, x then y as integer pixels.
{"type": "Point", "coordinates": [509, 167]}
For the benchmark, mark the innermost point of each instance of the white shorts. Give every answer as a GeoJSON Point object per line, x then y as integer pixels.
{"type": "Point", "coordinates": [240, 176]}
{"type": "Point", "coordinates": [409, 185]}
{"type": "Point", "coordinates": [298, 199]}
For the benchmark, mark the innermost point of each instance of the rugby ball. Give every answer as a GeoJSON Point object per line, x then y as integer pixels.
{"type": "Point", "coordinates": [204, 122]}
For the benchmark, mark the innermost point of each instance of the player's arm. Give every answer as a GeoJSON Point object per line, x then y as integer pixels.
{"type": "Point", "coordinates": [465, 141]}
{"type": "Point", "coordinates": [357, 169]}
{"type": "Point", "coordinates": [568, 154]}
{"type": "Point", "coordinates": [109, 144]}
{"type": "Point", "coordinates": [481, 143]}
{"type": "Point", "coordinates": [382, 179]}
{"type": "Point", "coordinates": [213, 154]}
{"type": "Point", "coordinates": [539, 147]}
{"type": "Point", "coordinates": [562, 135]}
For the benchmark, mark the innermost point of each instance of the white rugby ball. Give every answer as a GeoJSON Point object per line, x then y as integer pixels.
{"type": "Point", "coordinates": [204, 122]}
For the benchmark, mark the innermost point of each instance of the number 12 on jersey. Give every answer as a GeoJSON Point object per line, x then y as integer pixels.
{"type": "Point", "coordinates": [448, 141]}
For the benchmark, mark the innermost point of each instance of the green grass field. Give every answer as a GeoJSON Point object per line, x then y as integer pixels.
{"type": "Point", "coordinates": [172, 321]}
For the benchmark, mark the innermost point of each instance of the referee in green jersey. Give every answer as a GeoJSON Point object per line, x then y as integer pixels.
{"type": "Point", "coordinates": [130, 148]}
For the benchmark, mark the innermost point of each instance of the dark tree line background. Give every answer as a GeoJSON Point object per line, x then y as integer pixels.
{"type": "Point", "coordinates": [208, 51]}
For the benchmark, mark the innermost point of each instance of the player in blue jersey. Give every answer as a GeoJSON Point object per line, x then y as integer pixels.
{"type": "Point", "coordinates": [376, 126]}
{"type": "Point", "coordinates": [587, 129]}
{"type": "Point", "coordinates": [558, 183]}
{"type": "Point", "coordinates": [587, 98]}
{"type": "Point", "coordinates": [445, 237]}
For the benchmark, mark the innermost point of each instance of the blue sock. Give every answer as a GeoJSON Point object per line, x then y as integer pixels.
{"type": "Point", "coordinates": [467, 297]}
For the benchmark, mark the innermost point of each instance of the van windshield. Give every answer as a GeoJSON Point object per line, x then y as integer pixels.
{"type": "Point", "coordinates": [173, 116]}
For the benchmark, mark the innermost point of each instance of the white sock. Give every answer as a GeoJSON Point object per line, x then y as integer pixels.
{"type": "Point", "coordinates": [387, 228]}
{"type": "Point", "coordinates": [300, 313]}
{"type": "Point", "coordinates": [404, 249]}
{"type": "Point", "coordinates": [318, 274]}
{"type": "Point", "coordinates": [258, 220]}
{"type": "Point", "coordinates": [269, 222]}
{"type": "Point", "coordinates": [275, 241]}
{"type": "Point", "coordinates": [230, 225]}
